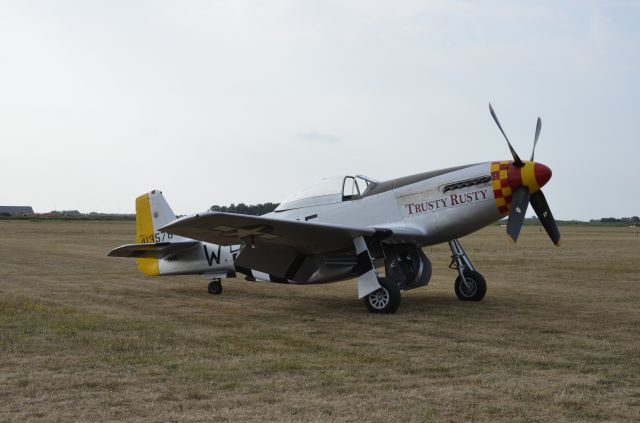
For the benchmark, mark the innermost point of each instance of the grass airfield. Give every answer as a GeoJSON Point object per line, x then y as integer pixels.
{"type": "Point", "coordinates": [84, 337]}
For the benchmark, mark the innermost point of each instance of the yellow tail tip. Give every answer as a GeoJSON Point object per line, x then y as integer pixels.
{"type": "Point", "coordinates": [144, 234]}
{"type": "Point", "coordinates": [148, 266]}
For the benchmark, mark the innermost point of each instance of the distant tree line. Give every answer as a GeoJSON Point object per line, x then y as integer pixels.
{"type": "Point", "coordinates": [634, 219]}
{"type": "Point", "coordinates": [75, 214]}
{"type": "Point", "coordinates": [67, 213]}
{"type": "Point", "coordinates": [242, 208]}
{"type": "Point", "coordinates": [70, 215]}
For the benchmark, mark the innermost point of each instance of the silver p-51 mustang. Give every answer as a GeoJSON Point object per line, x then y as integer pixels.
{"type": "Point", "coordinates": [345, 227]}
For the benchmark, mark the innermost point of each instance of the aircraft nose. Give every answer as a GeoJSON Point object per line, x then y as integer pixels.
{"type": "Point", "coordinates": [531, 175]}
{"type": "Point", "coordinates": [542, 174]}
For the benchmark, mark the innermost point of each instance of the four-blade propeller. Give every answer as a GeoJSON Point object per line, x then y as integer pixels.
{"type": "Point", "coordinates": [525, 179]}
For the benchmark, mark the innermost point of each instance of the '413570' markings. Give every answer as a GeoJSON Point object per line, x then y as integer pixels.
{"type": "Point", "coordinates": [156, 237]}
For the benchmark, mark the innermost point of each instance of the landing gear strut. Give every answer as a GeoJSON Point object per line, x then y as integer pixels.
{"type": "Point", "coordinates": [470, 285]}
{"type": "Point", "coordinates": [215, 287]}
{"type": "Point", "coordinates": [380, 295]}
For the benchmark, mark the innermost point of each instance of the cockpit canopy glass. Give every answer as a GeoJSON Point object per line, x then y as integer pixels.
{"type": "Point", "coordinates": [330, 190]}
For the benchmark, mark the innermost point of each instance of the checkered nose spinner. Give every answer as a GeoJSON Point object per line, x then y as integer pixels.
{"type": "Point", "coordinates": [516, 183]}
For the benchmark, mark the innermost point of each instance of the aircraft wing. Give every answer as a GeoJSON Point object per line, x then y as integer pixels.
{"type": "Point", "coordinates": [270, 232]}
{"type": "Point", "coordinates": [156, 250]}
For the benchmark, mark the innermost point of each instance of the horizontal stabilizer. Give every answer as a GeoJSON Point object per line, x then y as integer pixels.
{"type": "Point", "coordinates": [153, 250]}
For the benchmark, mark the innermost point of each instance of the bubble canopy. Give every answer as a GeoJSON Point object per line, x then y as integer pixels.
{"type": "Point", "coordinates": [334, 189]}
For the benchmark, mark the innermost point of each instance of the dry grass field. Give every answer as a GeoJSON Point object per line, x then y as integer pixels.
{"type": "Point", "coordinates": [84, 337]}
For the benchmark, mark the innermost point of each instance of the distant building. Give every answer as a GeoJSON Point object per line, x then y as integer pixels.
{"type": "Point", "coordinates": [16, 211]}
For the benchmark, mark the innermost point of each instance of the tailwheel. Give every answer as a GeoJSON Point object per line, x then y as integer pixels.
{"type": "Point", "coordinates": [384, 300]}
{"type": "Point", "coordinates": [473, 288]}
{"type": "Point", "coordinates": [215, 287]}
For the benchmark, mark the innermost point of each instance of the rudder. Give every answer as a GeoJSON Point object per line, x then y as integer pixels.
{"type": "Point", "coordinates": [152, 213]}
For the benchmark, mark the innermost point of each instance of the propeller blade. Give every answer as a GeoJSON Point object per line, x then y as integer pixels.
{"type": "Point", "coordinates": [539, 203]}
{"type": "Point", "coordinates": [519, 204]}
{"type": "Point", "coordinates": [535, 140]}
{"type": "Point", "coordinates": [516, 160]}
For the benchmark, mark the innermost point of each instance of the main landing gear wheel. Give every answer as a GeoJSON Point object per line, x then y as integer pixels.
{"type": "Point", "coordinates": [473, 288]}
{"type": "Point", "coordinates": [384, 300]}
{"type": "Point", "coordinates": [215, 287]}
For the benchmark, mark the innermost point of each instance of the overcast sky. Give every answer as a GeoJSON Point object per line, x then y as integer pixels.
{"type": "Point", "coordinates": [215, 102]}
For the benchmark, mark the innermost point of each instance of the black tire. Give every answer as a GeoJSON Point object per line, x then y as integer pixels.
{"type": "Point", "coordinates": [475, 291]}
{"type": "Point", "coordinates": [215, 288]}
{"type": "Point", "coordinates": [384, 300]}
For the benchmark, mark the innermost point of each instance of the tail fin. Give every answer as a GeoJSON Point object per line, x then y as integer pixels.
{"type": "Point", "coordinates": [152, 213]}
